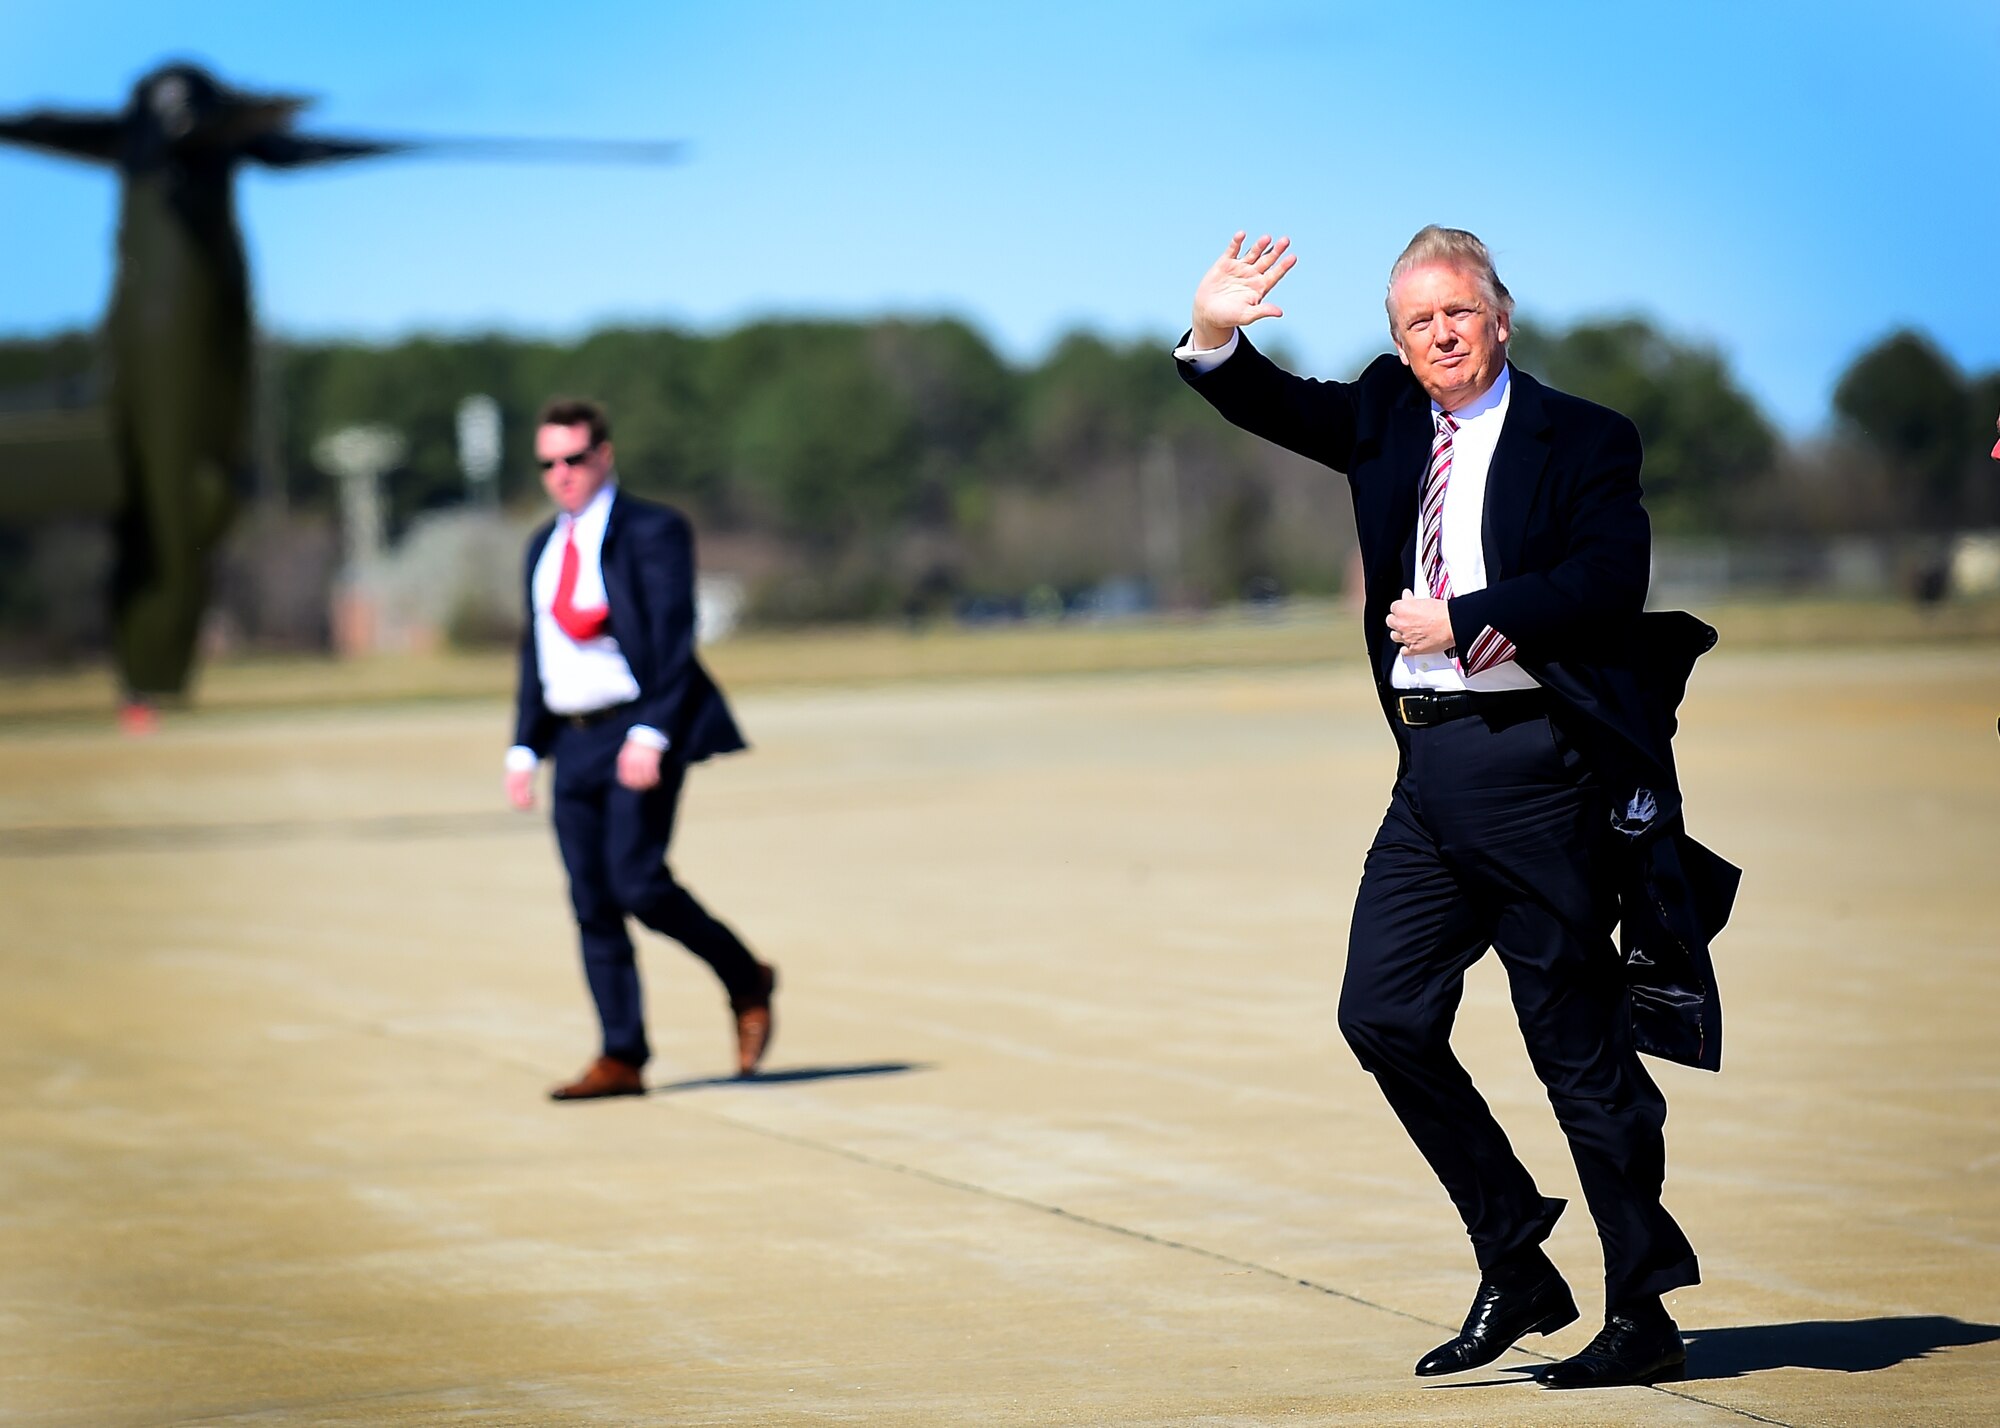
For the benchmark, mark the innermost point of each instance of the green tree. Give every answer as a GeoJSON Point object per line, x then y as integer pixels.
{"type": "Point", "coordinates": [61, 369]}
{"type": "Point", "coordinates": [962, 399]}
{"type": "Point", "coordinates": [665, 422]}
{"type": "Point", "coordinates": [820, 439]}
{"type": "Point", "coordinates": [1706, 442]}
{"type": "Point", "coordinates": [1906, 401]}
{"type": "Point", "coordinates": [1093, 401]}
{"type": "Point", "coordinates": [414, 387]}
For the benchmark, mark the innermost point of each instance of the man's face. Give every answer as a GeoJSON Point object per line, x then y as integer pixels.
{"type": "Point", "coordinates": [1447, 334]}
{"type": "Point", "coordinates": [573, 470]}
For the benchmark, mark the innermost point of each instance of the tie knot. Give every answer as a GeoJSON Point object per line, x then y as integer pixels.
{"type": "Point", "coordinates": [1446, 423]}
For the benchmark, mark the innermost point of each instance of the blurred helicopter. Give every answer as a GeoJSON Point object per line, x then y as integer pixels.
{"type": "Point", "coordinates": [165, 453]}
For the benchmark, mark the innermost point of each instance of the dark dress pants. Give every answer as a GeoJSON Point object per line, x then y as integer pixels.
{"type": "Point", "coordinates": [614, 846]}
{"type": "Point", "coordinates": [1497, 835]}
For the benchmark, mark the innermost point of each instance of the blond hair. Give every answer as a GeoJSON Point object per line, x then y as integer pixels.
{"type": "Point", "coordinates": [1455, 248]}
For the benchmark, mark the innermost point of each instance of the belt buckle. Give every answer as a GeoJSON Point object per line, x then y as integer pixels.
{"type": "Point", "coordinates": [1403, 702]}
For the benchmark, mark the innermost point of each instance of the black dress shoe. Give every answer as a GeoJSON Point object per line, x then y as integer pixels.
{"type": "Point", "coordinates": [1626, 1350]}
{"type": "Point", "coordinates": [1497, 1318]}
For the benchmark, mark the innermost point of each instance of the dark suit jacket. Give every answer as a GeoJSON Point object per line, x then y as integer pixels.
{"type": "Point", "coordinates": [649, 591]}
{"type": "Point", "coordinates": [1568, 553]}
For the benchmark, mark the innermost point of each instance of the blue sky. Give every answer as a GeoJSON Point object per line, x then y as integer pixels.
{"type": "Point", "coordinates": [1785, 181]}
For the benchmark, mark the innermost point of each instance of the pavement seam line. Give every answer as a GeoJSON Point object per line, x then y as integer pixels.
{"type": "Point", "coordinates": [1147, 1237]}
{"type": "Point", "coordinates": [875, 1162]}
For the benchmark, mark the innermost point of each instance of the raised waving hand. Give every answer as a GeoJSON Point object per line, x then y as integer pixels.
{"type": "Point", "coordinates": [1232, 292]}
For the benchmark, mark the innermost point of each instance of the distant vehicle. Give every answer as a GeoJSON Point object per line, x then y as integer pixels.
{"type": "Point", "coordinates": [164, 452]}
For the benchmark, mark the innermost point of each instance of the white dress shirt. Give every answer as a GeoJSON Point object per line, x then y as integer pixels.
{"type": "Point", "coordinates": [579, 676]}
{"type": "Point", "coordinates": [1464, 507]}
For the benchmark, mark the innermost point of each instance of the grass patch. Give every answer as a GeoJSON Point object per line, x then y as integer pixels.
{"type": "Point", "coordinates": [1302, 634]}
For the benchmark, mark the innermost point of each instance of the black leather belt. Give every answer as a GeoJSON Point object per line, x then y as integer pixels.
{"type": "Point", "coordinates": [1420, 707]}
{"type": "Point", "coordinates": [595, 717]}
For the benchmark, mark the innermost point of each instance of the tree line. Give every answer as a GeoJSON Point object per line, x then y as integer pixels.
{"type": "Point", "coordinates": [863, 468]}
{"type": "Point", "coordinates": [893, 457]}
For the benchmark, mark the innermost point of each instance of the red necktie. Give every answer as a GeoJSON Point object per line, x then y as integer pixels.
{"type": "Point", "coordinates": [1491, 647]}
{"type": "Point", "coordinates": [579, 625]}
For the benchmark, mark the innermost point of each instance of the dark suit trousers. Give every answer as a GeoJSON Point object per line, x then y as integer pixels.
{"type": "Point", "coordinates": [1496, 835]}
{"type": "Point", "coordinates": [614, 846]}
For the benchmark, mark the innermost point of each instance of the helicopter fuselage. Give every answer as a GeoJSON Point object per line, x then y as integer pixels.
{"type": "Point", "coordinates": [179, 338]}
{"type": "Point", "coordinates": [175, 427]}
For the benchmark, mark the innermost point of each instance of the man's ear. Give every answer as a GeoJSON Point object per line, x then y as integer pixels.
{"type": "Point", "coordinates": [1400, 353]}
{"type": "Point", "coordinates": [1505, 327]}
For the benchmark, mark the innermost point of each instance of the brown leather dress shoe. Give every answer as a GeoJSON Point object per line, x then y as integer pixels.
{"type": "Point", "coordinates": [755, 1024]}
{"type": "Point", "coordinates": [605, 1077]}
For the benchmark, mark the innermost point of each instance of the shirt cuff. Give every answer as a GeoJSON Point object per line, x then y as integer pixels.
{"type": "Point", "coordinates": [649, 736]}
{"type": "Point", "coordinates": [1206, 359]}
{"type": "Point", "coordinates": [521, 759]}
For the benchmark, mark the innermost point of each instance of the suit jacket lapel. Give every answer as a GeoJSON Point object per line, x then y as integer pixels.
{"type": "Point", "coordinates": [617, 592]}
{"type": "Point", "coordinates": [538, 542]}
{"type": "Point", "coordinates": [1408, 453]}
{"type": "Point", "coordinates": [607, 554]}
{"type": "Point", "coordinates": [1410, 430]}
{"type": "Point", "coordinates": [538, 545]}
{"type": "Point", "coordinates": [1519, 459]}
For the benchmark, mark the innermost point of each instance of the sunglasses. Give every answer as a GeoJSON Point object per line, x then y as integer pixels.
{"type": "Point", "coordinates": [575, 458]}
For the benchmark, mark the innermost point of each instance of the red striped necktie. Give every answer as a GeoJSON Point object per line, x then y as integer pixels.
{"type": "Point", "coordinates": [1491, 647]}
{"type": "Point", "coordinates": [578, 624]}
{"type": "Point", "coordinates": [1431, 527]}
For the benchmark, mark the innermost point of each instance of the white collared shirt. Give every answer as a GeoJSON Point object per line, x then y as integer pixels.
{"type": "Point", "coordinates": [579, 677]}
{"type": "Point", "coordinates": [1464, 508]}
{"type": "Point", "coordinates": [1464, 552]}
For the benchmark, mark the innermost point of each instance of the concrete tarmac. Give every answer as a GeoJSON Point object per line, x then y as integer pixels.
{"type": "Point", "coordinates": [1059, 1129]}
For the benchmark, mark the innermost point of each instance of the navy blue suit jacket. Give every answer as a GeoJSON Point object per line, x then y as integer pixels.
{"type": "Point", "coordinates": [649, 591]}
{"type": "Point", "coordinates": [1568, 556]}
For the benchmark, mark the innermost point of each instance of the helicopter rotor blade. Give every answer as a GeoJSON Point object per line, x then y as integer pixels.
{"type": "Point", "coordinates": [253, 114]}
{"type": "Point", "coordinates": [284, 150]}
{"type": "Point", "coordinates": [75, 134]}
{"type": "Point", "coordinates": [564, 151]}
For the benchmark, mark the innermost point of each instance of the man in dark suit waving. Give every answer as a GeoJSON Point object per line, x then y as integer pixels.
{"type": "Point", "coordinates": [1505, 555]}
{"type": "Point", "coordinates": [610, 688]}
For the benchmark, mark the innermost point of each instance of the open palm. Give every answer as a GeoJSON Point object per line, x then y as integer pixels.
{"type": "Point", "coordinates": [1232, 292]}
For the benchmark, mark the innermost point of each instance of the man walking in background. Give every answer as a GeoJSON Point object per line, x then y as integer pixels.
{"type": "Point", "coordinates": [610, 688]}
{"type": "Point", "coordinates": [1505, 559]}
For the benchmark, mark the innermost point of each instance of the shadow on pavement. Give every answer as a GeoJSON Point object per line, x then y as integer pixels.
{"type": "Point", "coordinates": [1839, 1345]}
{"type": "Point", "coordinates": [1836, 1345]}
{"type": "Point", "coordinates": [793, 1074]}
{"type": "Point", "coordinates": [1518, 1374]}
{"type": "Point", "coordinates": [58, 841]}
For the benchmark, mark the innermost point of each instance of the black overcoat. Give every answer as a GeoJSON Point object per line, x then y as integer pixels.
{"type": "Point", "coordinates": [1568, 553]}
